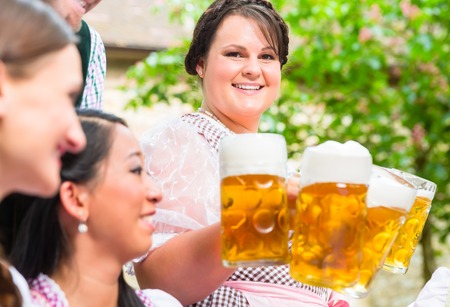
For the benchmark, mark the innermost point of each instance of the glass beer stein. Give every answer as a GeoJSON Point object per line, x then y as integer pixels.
{"type": "Point", "coordinates": [254, 211]}
{"type": "Point", "coordinates": [389, 200]}
{"type": "Point", "coordinates": [331, 214]}
{"type": "Point", "coordinates": [397, 261]}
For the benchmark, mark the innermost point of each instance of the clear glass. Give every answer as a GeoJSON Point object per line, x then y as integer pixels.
{"type": "Point", "coordinates": [254, 209]}
{"type": "Point", "coordinates": [398, 259]}
{"type": "Point", "coordinates": [330, 215]}
{"type": "Point", "coordinates": [389, 200]}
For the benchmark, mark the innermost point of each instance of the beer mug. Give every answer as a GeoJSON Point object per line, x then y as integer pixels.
{"type": "Point", "coordinates": [389, 200]}
{"type": "Point", "coordinates": [254, 212]}
{"type": "Point", "coordinates": [331, 214]}
{"type": "Point", "coordinates": [397, 261]}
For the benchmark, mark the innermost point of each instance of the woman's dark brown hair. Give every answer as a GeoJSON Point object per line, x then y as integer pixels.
{"type": "Point", "coordinates": [271, 24]}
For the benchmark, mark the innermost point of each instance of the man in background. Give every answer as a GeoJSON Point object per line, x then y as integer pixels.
{"type": "Point", "coordinates": [91, 48]}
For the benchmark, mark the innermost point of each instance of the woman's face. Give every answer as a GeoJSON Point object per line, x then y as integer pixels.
{"type": "Point", "coordinates": [38, 122]}
{"type": "Point", "coordinates": [241, 73]}
{"type": "Point", "coordinates": [123, 201]}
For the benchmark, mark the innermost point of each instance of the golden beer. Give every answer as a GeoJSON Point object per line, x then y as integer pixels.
{"type": "Point", "coordinates": [326, 247]}
{"type": "Point", "coordinates": [380, 232]}
{"type": "Point", "coordinates": [253, 188]}
{"type": "Point", "coordinates": [254, 220]}
{"type": "Point", "coordinates": [408, 237]}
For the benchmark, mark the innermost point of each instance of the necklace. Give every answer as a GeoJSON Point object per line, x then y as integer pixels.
{"type": "Point", "coordinates": [206, 112]}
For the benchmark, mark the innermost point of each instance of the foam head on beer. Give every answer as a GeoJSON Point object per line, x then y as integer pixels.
{"type": "Point", "coordinates": [253, 153]}
{"type": "Point", "coordinates": [331, 214]}
{"type": "Point", "coordinates": [389, 198]}
{"type": "Point", "coordinates": [331, 161]}
{"type": "Point", "coordinates": [254, 212]}
{"type": "Point", "coordinates": [409, 234]}
{"type": "Point", "coordinates": [425, 188]}
{"type": "Point", "coordinates": [389, 190]}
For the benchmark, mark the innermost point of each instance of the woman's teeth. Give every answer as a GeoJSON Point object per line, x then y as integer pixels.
{"type": "Point", "coordinates": [248, 87]}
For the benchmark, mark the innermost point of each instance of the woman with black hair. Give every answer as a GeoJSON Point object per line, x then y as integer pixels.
{"type": "Point", "coordinates": [71, 247]}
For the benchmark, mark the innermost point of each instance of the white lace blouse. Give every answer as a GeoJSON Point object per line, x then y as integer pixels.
{"type": "Point", "coordinates": [182, 156]}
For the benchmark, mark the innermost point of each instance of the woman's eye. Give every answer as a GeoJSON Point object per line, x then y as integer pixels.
{"type": "Point", "coordinates": [234, 54]}
{"type": "Point", "coordinates": [138, 170]}
{"type": "Point", "coordinates": [267, 57]}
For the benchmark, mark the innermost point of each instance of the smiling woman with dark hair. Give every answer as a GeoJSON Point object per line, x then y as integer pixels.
{"type": "Point", "coordinates": [71, 247]}
{"type": "Point", "coordinates": [238, 50]}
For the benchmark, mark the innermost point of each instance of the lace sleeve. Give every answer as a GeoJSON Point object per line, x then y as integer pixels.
{"type": "Point", "coordinates": [181, 161]}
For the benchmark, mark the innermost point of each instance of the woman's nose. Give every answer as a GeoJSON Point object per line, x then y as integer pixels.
{"type": "Point", "coordinates": [154, 193]}
{"type": "Point", "coordinates": [75, 139]}
{"type": "Point", "coordinates": [252, 68]}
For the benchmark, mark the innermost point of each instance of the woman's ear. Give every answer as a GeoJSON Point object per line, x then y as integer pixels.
{"type": "Point", "coordinates": [200, 68]}
{"type": "Point", "coordinates": [74, 199]}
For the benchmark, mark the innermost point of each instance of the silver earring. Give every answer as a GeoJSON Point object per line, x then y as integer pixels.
{"type": "Point", "coordinates": [82, 227]}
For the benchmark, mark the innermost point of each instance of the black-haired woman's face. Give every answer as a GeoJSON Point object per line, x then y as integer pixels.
{"type": "Point", "coordinates": [123, 202]}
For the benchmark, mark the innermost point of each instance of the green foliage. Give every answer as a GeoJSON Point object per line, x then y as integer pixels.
{"type": "Point", "coordinates": [372, 71]}
{"type": "Point", "coordinates": [160, 78]}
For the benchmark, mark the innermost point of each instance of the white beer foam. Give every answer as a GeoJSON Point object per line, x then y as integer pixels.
{"type": "Point", "coordinates": [389, 191]}
{"type": "Point", "coordinates": [253, 153]}
{"type": "Point", "coordinates": [332, 161]}
{"type": "Point", "coordinates": [426, 194]}
{"type": "Point", "coordinates": [425, 188]}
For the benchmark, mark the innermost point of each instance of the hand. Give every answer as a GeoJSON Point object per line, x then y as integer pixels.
{"type": "Point", "coordinates": [293, 189]}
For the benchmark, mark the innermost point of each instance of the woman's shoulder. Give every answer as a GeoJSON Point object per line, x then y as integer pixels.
{"type": "Point", "coordinates": [191, 129]}
{"type": "Point", "coordinates": [46, 292]}
{"type": "Point", "coordinates": [157, 298]}
{"type": "Point", "coordinates": [171, 128]}
{"type": "Point", "coordinates": [174, 135]}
